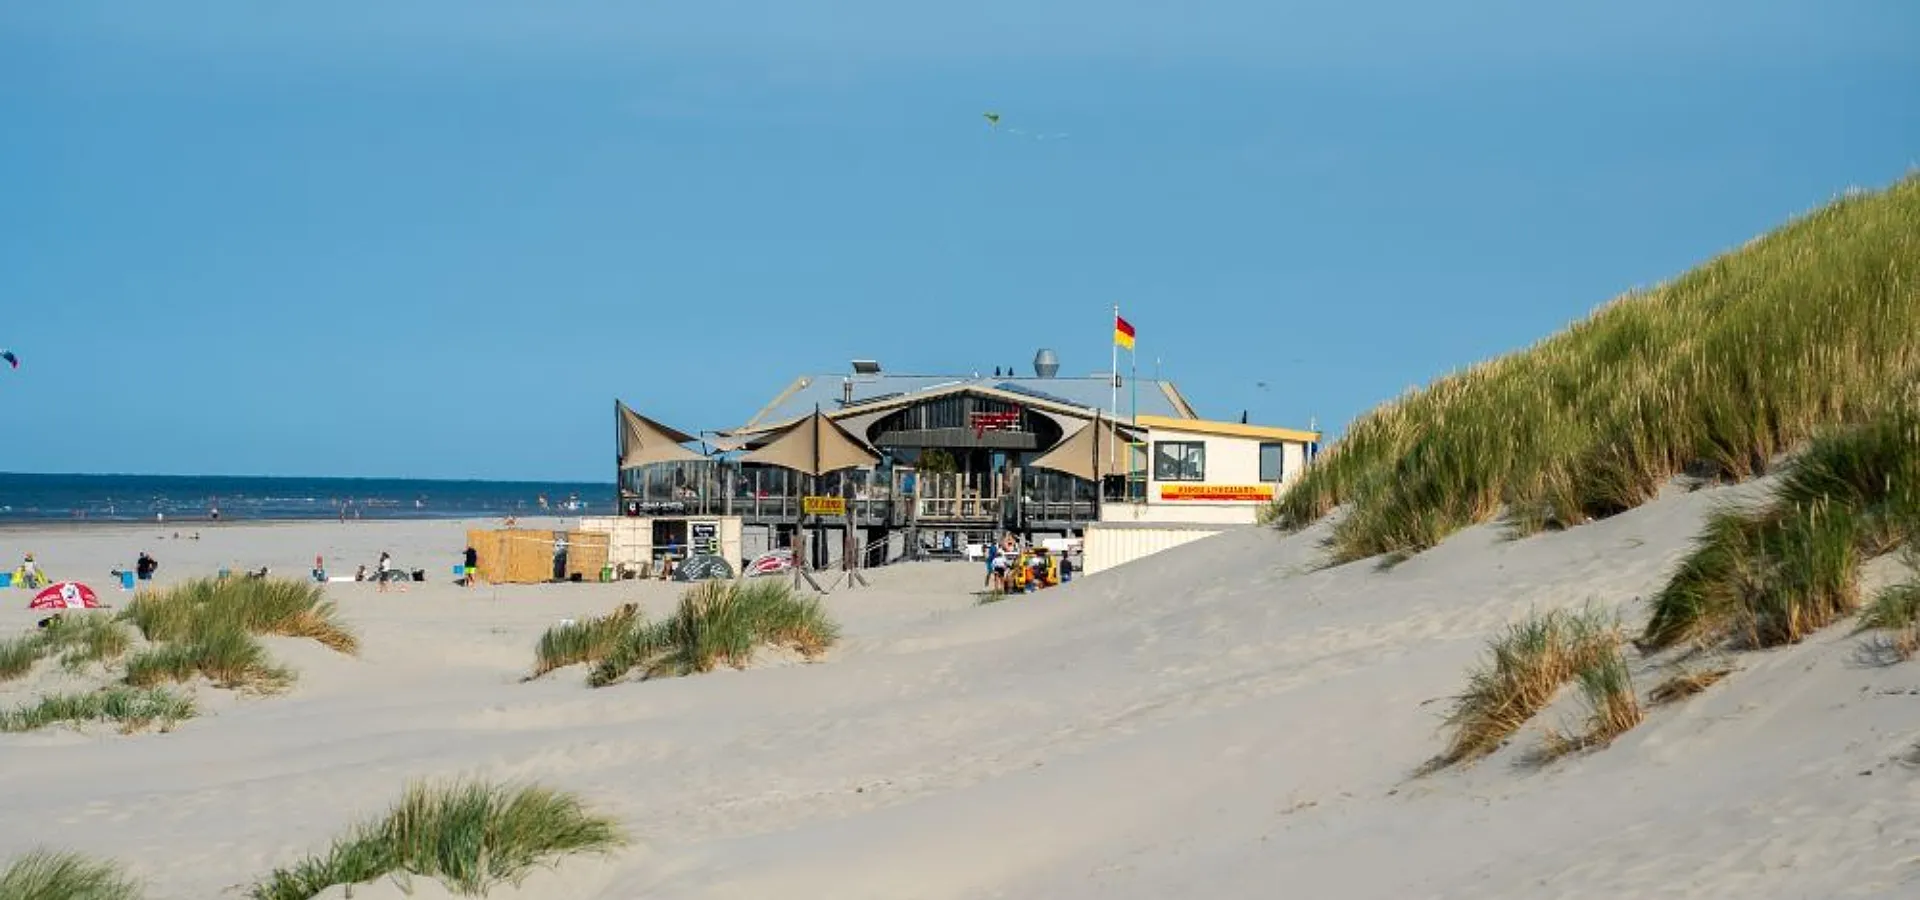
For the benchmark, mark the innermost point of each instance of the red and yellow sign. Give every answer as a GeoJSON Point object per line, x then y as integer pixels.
{"type": "Point", "coordinates": [1250, 492]}
{"type": "Point", "coordinates": [823, 506]}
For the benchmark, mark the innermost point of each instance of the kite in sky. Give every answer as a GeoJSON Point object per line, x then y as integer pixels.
{"type": "Point", "coordinates": [993, 125]}
{"type": "Point", "coordinates": [11, 359]}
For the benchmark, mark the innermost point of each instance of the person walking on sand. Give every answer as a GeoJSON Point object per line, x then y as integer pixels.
{"type": "Point", "coordinates": [473, 565]}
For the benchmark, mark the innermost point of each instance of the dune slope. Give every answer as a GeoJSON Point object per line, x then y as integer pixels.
{"type": "Point", "coordinates": [1225, 719]}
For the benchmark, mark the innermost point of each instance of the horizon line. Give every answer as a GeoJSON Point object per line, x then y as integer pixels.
{"type": "Point", "coordinates": [447, 480]}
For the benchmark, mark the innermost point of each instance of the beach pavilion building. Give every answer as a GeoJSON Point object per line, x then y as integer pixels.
{"type": "Point", "coordinates": [933, 464]}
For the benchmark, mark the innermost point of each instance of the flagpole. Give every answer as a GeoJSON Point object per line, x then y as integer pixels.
{"type": "Point", "coordinates": [1113, 379]}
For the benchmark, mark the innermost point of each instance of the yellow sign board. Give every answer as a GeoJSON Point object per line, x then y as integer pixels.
{"type": "Point", "coordinates": [1249, 492]}
{"type": "Point", "coordinates": [823, 506]}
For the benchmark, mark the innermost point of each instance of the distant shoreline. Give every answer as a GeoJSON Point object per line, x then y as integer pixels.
{"type": "Point", "coordinates": [204, 524]}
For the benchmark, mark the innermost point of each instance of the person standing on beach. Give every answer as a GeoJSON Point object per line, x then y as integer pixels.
{"type": "Point", "coordinates": [473, 565]}
{"type": "Point", "coordinates": [386, 564]}
{"type": "Point", "coordinates": [144, 567]}
{"type": "Point", "coordinates": [29, 575]}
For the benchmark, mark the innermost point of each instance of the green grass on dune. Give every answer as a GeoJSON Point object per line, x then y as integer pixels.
{"type": "Point", "coordinates": [1613, 706]}
{"type": "Point", "coordinates": [1524, 669]}
{"type": "Point", "coordinates": [1719, 372]}
{"type": "Point", "coordinates": [275, 606]}
{"type": "Point", "coordinates": [471, 836]}
{"type": "Point", "coordinates": [1895, 613]}
{"type": "Point", "coordinates": [131, 708]}
{"type": "Point", "coordinates": [80, 638]}
{"type": "Point", "coordinates": [208, 626]}
{"type": "Point", "coordinates": [719, 622]}
{"type": "Point", "coordinates": [45, 875]}
{"type": "Point", "coordinates": [1771, 575]}
{"type": "Point", "coordinates": [716, 623]}
{"type": "Point", "coordinates": [228, 657]}
{"type": "Point", "coordinates": [87, 638]}
{"type": "Point", "coordinates": [585, 641]}
{"type": "Point", "coordinates": [18, 654]}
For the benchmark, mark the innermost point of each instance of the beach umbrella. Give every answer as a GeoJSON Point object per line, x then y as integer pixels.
{"type": "Point", "coordinates": [65, 595]}
{"type": "Point", "coordinates": [772, 562]}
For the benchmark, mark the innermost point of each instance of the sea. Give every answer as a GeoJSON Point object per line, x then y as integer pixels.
{"type": "Point", "coordinates": [28, 498]}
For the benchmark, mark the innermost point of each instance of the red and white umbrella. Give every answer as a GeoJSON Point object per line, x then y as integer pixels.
{"type": "Point", "coordinates": [65, 595]}
{"type": "Point", "coordinates": [771, 562]}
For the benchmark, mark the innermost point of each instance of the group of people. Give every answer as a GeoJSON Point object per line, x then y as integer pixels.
{"type": "Point", "coordinates": [1041, 566]}
{"type": "Point", "coordinates": [30, 575]}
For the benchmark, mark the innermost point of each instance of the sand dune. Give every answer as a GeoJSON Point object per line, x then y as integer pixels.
{"type": "Point", "coordinates": [1220, 720]}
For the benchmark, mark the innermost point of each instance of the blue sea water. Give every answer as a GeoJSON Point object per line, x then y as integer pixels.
{"type": "Point", "coordinates": [143, 498]}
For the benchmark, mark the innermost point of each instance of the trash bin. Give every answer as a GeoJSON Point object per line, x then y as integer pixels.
{"type": "Point", "coordinates": [126, 581]}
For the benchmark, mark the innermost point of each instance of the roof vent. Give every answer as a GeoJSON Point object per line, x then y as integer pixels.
{"type": "Point", "coordinates": [866, 367]}
{"type": "Point", "coordinates": [1046, 363]}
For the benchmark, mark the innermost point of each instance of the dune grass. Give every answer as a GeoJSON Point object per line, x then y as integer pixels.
{"type": "Point", "coordinates": [87, 638]}
{"type": "Point", "coordinates": [276, 606]}
{"type": "Point", "coordinates": [1895, 612]}
{"type": "Point", "coordinates": [1766, 576]}
{"type": "Point", "coordinates": [208, 626]}
{"type": "Point", "coordinates": [989, 597]}
{"type": "Point", "coordinates": [470, 835]}
{"type": "Point", "coordinates": [1525, 667]}
{"type": "Point", "coordinates": [1686, 683]}
{"type": "Point", "coordinates": [1606, 688]}
{"type": "Point", "coordinates": [227, 656]}
{"type": "Point", "coordinates": [586, 641]}
{"type": "Point", "coordinates": [80, 638]}
{"type": "Point", "coordinates": [1717, 373]}
{"type": "Point", "coordinates": [46, 875]}
{"type": "Point", "coordinates": [17, 655]}
{"type": "Point", "coordinates": [719, 622]}
{"type": "Point", "coordinates": [131, 708]}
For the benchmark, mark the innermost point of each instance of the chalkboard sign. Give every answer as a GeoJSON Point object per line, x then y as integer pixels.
{"type": "Point", "coordinates": [703, 567]}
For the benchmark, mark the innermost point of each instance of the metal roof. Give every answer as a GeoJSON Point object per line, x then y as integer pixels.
{"type": "Point", "coordinates": [1156, 398]}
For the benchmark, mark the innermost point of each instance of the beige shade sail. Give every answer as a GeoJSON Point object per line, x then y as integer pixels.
{"type": "Point", "coordinates": [1098, 448]}
{"type": "Point", "coordinates": [644, 441]}
{"type": "Point", "coordinates": [814, 445]}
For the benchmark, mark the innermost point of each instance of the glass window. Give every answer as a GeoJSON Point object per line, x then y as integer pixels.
{"type": "Point", "coordinates": [1179, 461]}
{"type": "Point", "coordinates": [1273, 461]}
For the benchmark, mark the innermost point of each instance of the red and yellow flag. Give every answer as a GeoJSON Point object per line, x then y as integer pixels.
{"type": "Point", "coordinates": [1122, 333]}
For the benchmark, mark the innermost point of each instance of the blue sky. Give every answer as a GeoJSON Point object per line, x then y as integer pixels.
{"type": "Point", "coordinates": [438, 238]}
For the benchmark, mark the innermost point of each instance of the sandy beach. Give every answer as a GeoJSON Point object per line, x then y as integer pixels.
{"type": "Point", "coordinates": [1224, 719]}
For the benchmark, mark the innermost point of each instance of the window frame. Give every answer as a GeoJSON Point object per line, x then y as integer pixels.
{"type": "Point", "coordinates": [1187, 450]}
{"type": "Point", "coordinates": [1280, 464]}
